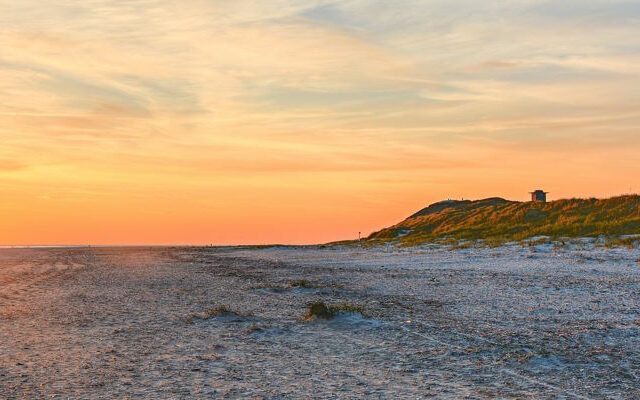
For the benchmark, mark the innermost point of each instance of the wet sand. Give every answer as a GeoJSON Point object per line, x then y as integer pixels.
{"type": "Point", "coordinates": [469, 323]}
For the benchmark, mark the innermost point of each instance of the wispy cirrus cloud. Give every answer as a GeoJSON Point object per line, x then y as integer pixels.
{"type": "Point", "coordinates": [8, 165]}
{"type": "Point", "coordinates": [225, 101]}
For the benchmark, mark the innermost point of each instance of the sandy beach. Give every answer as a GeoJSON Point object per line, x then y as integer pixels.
{"type": "Point", "coordinates": [510, 322]}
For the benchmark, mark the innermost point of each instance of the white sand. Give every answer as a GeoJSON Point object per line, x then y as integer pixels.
{"type": "Point", "coordinates": [484, 323]}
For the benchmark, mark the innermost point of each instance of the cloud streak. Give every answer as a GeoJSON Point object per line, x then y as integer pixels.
{"type": "Point", "coordinates": [223, 101]}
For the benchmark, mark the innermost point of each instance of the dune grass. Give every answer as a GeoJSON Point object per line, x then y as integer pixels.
{"type": "Point", "coordinates": [493, 222]}
{"type": "Point", "coordinates": [303, 283]}
{"type": "Point", "coordinates": [210, 313]}
{"type": "Point", "coordinates": [319, 309]}
{"type": "Point", "coordinates": [628, 242]}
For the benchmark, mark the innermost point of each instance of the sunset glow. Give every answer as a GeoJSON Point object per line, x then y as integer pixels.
{"type": "Point", "coordinates": [285, 121]}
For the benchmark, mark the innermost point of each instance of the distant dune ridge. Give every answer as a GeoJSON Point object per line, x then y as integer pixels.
{"type": "Point", "coordinates": [497, 219]}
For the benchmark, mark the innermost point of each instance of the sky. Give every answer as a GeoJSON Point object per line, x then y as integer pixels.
{"type": "Point", "coordinates": [286, 121]}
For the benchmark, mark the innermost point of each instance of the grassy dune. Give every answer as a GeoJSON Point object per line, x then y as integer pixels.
{"type": "Point", "coordinates": [496, 220]}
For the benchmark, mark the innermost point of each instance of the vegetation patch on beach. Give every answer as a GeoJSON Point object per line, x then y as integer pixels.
{"type": "Point", "coordinates": [212, 313]}
{"type": "Point", "coordinates": [303, 283]}
{"type": "Point", "coordinates": [254, 328]}
{"type": "Point", "coordinates": [320, 310]}
{"type": "Point", "coordinates": [628, 242]}
{"type": "Point", "coordinates": [495, 221]}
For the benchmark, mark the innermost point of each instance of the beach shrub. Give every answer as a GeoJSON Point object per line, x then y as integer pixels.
{"type": "Point", "coordinates": [319, 309]}
{"type": "Point", "coordinates": [303, 283]}
{"type": "Point", "coordinates": [209, 313]}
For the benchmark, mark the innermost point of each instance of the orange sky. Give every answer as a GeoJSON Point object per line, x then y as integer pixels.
{"type": "Point", "coordinates": [125, 122]}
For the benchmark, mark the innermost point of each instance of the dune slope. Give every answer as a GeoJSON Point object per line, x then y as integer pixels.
{"type": "Point", "coordinates": [496, 218]}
